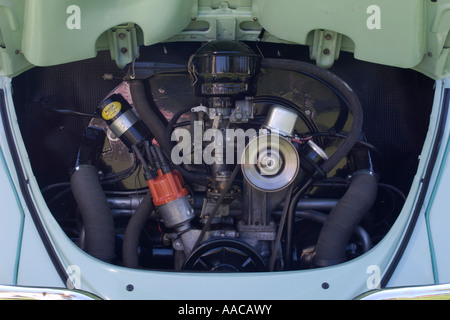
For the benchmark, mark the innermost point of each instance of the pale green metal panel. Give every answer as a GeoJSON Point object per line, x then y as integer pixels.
{"type": "Point", "coordinates": [402, 33]}
{"type": "Point", "coordinates": [399, 41]}
{"type": "Point", "coordinates": [437, 214]}
{"type": "Point", "coordinates": [436, 62]}
{"type": "Point", "coordinates": [11, 225]}
{"type": "Point", "coordinates": [12, 61]}
{"type": "Point", "coordinates": [12, 214]}
{"type": "Point", "coordinates": [57, 32]}
{"type": "Point", "coordinates": [415, 267]}
{"type": "Point", "coordinates": [35, 267]}
{"type": "Point", "coordinates": [439, 221]}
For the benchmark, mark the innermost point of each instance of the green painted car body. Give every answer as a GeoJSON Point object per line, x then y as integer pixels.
{"type": "Point", "coordinates": [403, 33]}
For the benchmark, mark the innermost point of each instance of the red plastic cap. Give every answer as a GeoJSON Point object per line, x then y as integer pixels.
{"type": "Point", "coordinates": [167, 187]}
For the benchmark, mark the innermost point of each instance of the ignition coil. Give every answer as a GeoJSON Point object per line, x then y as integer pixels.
{"type": "Point", "coordinates": [123, 121]}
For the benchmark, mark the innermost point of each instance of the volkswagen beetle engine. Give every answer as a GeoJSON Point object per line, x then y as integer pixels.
{"type": "Point", "coordinates": [230, 163]}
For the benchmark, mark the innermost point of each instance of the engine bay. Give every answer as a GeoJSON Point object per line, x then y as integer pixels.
{"type": "Point", "coordinates": [225, 156]}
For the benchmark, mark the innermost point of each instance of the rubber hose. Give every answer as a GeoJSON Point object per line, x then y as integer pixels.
{"type": "Point", "coordinates": [340, 88]}
{"type": "Point", "coordinates": [344, 218]}
{"type": "Point", "coordinates": [96, 214]}
{"type": "Point", "coordinates": [146, 112]}
{"type": "Point", "coordinates": [133, 232]}
{"type": "Point", "coordinates": [321, 217]}
{"type": "Point", "coordinates": [158, 129]}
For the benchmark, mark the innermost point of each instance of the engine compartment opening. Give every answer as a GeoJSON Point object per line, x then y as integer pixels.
{"type": "Point", "coordinates": [214, 158]}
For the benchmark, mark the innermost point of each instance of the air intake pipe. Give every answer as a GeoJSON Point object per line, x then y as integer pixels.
{"type": "Point", "coordinates": [97, 218]}
{"type": "Point", "coordinates": [348, 213]}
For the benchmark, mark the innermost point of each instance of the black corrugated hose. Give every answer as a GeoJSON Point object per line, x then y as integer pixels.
{"type": "Point", "coordinates": [344, 218]}
{"type": "Point", "coordinates": [97, 218]}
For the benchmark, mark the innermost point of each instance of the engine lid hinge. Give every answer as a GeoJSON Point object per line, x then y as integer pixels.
{"type": "Point", "coordinates": [123, 44]}
{"type": "Point", "coordinates": [326, 48]}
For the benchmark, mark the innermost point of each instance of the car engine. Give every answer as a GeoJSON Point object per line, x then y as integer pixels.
{"type": "Point", "coordinates": [231, 163]}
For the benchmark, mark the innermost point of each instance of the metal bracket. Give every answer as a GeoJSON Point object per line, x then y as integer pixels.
{"type": "Point", "coordinates": [123, 44]}
{"type": "Point", "coordinates": [326, 48]}
{"type": "Point", "coordinates": [221, 20]}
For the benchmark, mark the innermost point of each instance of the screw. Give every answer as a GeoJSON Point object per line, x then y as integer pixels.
{"type": "Point", "coordinates": [325, 285]}
{"type": "Point", "coordinates": [124, 50]}
{"type": "Point", "coordinates": [122, 35]}
{"type": "Point", "coordinates": [130, 287]}
{"type": "Point", "coordinates": [328, 37]}
{"type": "Point", "coordinates": [326, 51]}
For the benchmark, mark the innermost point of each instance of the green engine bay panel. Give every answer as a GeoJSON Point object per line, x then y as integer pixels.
{"type": "Point", "coordinates": [402, 33]}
